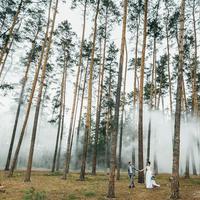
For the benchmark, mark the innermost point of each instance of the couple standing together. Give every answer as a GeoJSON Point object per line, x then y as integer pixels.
{"type": "Point", "coordinates": [149, 178]}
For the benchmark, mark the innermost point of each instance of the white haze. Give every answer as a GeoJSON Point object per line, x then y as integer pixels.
{"type": "Point", "coordinates": [162, 130]}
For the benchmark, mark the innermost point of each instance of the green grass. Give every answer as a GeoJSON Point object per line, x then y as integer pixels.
{"type": "Point", "coordinates": [54, 174]}
{"type": "Point", "coordinates": [72, 197]}
{"type": "Point", "coordinates": [195, 181]}
{"type": "Point", "coordinates": [32, 194]}
{"type": "Point", "coordinates": [89, 194]}
{"type": "Point", "coordinates": [94, 188]}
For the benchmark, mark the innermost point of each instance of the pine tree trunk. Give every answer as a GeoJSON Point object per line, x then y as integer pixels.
{"type": "Point", "coordinates": [77, 101]}
{"type": "Point", "coordinates": [187, 167]}
{"type": "Point", "coordinates": [133, 156]}
{"type": "Point", "coordinates": [75, 95]}
{"type": "Point", "coordinates": [10, 34]}
{"type": "Point", "coordinates": [194, 169]}
{"type": "Point", "coordinates": [155, 164]}
{"type": "Point", "coordinates": [108, 124]}
{"type": "Point", "coordinates": [74, 121]}
{"type": "Point", "coordinates": [43, 103]}
{"type": "Point", "coordinates": [80, 113]}
{"type": "Point", "coordinates": [176, 145]}
{"type": "Point", "coordinates": [113, 164]}
{"type": "Point", "coordinates": [59, 122]}
{"type": "Point", "coordinates": [30, 157]}
{"type": "Point", "coordinates": [63, 120]}
{"type": "Point", "coordinates": [106, 142]}
{"type": "Point", "coordinates": [122, 115]}
{"type": "Point", "coordinates": [163, 105]}
{"type": "Point", "coordinates": [184, 98]}
{"type": "Point", "coordinates": [194, 74]}
{"type": "Point", "coordinates": [168, 60]}
{"type": "Point", "coordinates": [153, 91]}
{"type": "Point", "coordinates": [7, 52]}
{"type": "Point", "coordinates": [159, 93]}
{"type": "Point", "coordinates": [153, 77]}
{"type": "Point", "coordinates": [136, 63]}
{"type": "Point", "coordinates": [89, 102]}
{"type": "Point", "coordinates": [99, 104]}
{"type": "Point", "coordinates": [20, 102]}
{"type": "Point", "coordinates": [149, 141]}
{"type": "Point", "coordinates": [94, 160]}
{"type": "Point", "coordinates": [120, 145]}
{"type": "Point", "coordinates": [155, 71]}
{"type": "Point", "coordinates": [37, 70]}
{"type": "Point", "coordinates": [140, 120]}
{"type": "Point", "coordinates": [134, 133]}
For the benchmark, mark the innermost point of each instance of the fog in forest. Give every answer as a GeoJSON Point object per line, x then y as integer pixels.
{"type": "Point", "coordinates": [162, 126]}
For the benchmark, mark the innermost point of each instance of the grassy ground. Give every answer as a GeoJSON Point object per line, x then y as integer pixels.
{"type": "Point", "coordinates": [47, 186]}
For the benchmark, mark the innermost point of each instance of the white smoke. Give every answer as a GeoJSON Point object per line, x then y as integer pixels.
{"type": "Point", "coordinates": [162, 130]}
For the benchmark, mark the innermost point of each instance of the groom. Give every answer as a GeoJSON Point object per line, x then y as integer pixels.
{"type": "Point", "coordinates": [131, 170]}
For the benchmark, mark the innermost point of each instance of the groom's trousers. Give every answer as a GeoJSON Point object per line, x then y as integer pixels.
{"type": "Point", "coordinates": [131, 177]}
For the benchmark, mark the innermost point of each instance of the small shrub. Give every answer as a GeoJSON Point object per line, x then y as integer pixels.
{"type": "Point", "coordinates": [40, 196]}
{"type": "Point", "coordinates": [31, 194]}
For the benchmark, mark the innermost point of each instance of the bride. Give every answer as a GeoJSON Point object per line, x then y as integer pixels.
{"type": "Point", "coordinates": [148, 177]}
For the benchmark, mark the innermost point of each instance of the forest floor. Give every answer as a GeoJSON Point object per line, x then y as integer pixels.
{"type": "Point", "coordinates": [48, 186]}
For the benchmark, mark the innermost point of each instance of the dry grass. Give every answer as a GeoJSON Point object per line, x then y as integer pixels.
{"type": "Point", "coordinates": [46, 186]}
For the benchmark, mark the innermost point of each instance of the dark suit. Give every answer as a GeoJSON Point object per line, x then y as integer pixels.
{"type": "Point", "coordinates": [131, 174]}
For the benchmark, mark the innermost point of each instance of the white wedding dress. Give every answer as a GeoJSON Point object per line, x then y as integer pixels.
{"type": "Point", "coordinates": [148, 177]}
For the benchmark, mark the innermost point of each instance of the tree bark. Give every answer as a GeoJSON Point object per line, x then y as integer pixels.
{"type": "Point", "coordinates": [184, 98]}
{"type": "Point", "coordinates": [73, 132]}
{"type": "Point", "coordinates": [106, 160]}
{"type": "Point", "coordinates": [8, 51]}
{"type": "Point", "coordinates": [187, 167]}
{"type": "Point", "coordinates": [133, 156]}
{"type": "Point", "coordinates": [75, 94]}
{"type": "Point", "coordinates": [176, 145]}
{"type": "Point", "coordinates": [160, 92]}
{"type": "Point", "coordinates": [77, 102]}
{"type": "Point", "coordinates": [136, 63]}
{"type": "Point", "coordinates": [168, 59]}
{"type": "Point", "coordinates": [111, 186]}
{"type": "Point", "coordinates": [89, 102]}
{"type": "Point", "coordinates": [94, 160]}
{"type": "Point", "coordinates": [10, 33]}
{"type": "Point", "coordinates": [62, 123]}
{"type": "Point", "coordinates": [155, 164]}
{"type": "Point", "coordinates": [153, 77]}
{"type": "Point", "coordinates": [59, 122]}
{"type": "Point", "coordinates": [122, 115]}
{"type": "Point", "coordinates": [194, 169]}
{"type": "Point", "coordinates": [74, 121]}
{"type": "Point", "coordinates": [149, 141]}
{"type": "Point", "coordinates": [99, 103]}
{"type": "Point", "coordinates": [30, 158]}
{"type": "Point", "coordinates": [37, 70]}
{"type": "Point", "coordinates": [140, 120]}
{"type": "Point", "coordinates": [108, 124]}
{"type": "Point", "coordinates": [194, 74]}
{"type": "Point", "coordinates": [80, 114]}
{"type": "Point", "coordinates": [24, 80]}
{"type": "Point", "coordinates": [153, 81]}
